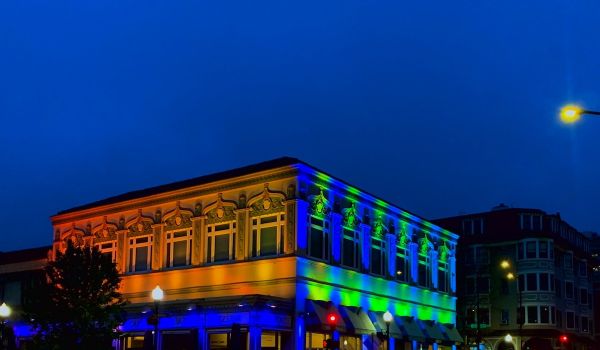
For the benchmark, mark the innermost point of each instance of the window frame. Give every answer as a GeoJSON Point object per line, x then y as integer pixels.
{"type": "Point", "coordinates": [211, 240]}
{"type": "Point", "coordinates": [256, 234]}
{"type": "Point", "coordinates": [133, 246]}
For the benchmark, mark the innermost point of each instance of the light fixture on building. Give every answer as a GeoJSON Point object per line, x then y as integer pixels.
{"type": "Point", "coordinates": [508, 338]}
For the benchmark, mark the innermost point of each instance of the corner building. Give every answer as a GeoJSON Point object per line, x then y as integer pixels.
{"type": "Point", "coordinates": [259, 257]}
{"type": "Point", "coordinates": [546, 303]}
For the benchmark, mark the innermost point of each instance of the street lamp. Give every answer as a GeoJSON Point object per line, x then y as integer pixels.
{"type": "Point", "coordinates": [387, 318]}
{"type": "Point", "coordinates": [5, 312]}
{"type": "Point", "coordinates": [505, 265]}
{"type": "Point", "coordinates": [570, 114]}
{"type": "Point", "coordinates": [157, 296]}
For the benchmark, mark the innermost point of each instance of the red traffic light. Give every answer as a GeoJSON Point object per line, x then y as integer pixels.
{"type": "Point", "coordinates": [331, 344]}
{"type": "Point", "coordinates": [332, 319]}
{"type": "Point", "coordinates": [563, 338]}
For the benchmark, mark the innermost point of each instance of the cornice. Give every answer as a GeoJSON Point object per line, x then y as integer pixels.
{"type": "Point", "coordinates": [183, 194]}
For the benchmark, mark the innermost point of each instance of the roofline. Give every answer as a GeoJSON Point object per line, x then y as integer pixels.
{"type": "Point", "coordinates": [248, 170]}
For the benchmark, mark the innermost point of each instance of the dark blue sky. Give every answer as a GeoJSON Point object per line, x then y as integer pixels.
{"type": "Point", "coordinates": [442, 107]}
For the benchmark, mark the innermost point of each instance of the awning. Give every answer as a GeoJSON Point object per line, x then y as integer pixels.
{"type": "Point", "coordinates": [410, 328]}
{"type": "Point", "coordinates": [357, 320]}
{"type": "Point", "coordinates": [431, 330]}
{"type": "Point", "coordinates": [317, 312]}
{"type": "Point", "coordinates": [450, 333]}
{"type": "Point", "coordinates": [381, 326]}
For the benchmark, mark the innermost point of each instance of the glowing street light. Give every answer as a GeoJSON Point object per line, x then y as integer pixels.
{"type": "Point", "coordinates": [508, 338]}
{"type": "Point", "coordinates": [157, 296]}
{"type": "Point", "coordinates": [570, 114]}
{"type": "Point", "coordinates": [5, 312]}
{"type": "Point", "coordinates": [387, 318]}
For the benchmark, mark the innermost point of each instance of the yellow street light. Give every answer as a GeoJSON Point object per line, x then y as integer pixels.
{"type": "Point", "coordinates": [505, 264]}
{"type": "Point", "coordinates": [510, 276]}
{"type": "Point", "coordinates": [570, 114]}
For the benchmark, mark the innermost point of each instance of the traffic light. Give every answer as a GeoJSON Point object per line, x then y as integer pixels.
{"type": "Point", "coordinates": [563, 339]}
{"type": "Point", "coordinates": [331, 344]}
{"type": "Point", "coordinates": [332, 320]}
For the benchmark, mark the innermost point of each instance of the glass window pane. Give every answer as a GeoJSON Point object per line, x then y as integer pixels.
{"type": "Point", "coordinates": [141, 259]}
{"type": "Point", "coordinates": [544, 314]}
{"type": "Point", "coordinates": [531, 247]}
{"type": "Point", "coordinates": [376, 261]}
{"type": "Point", "coordinates": [180, 253]}
{"type": "Point", "coordinates": [316, 243]}
{"type": "Point", "coordinates": [532, 281]}
{"type": "Point", "coordinates": [543, 249]}
{"type": "Point", "coordinates": [532, 314]}
{"type": "Point", "coordinates": [348, 254]}
{"type": "Point", "coordinates": [544, 281]}
{"type": "Point", "coordinates": [268, 241]}
{"type": "Point", "coordinates": [221, 247]}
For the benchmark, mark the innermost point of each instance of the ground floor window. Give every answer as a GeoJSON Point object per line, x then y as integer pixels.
{"type": "Point", "coordinates": [133, 342]}
{"type": "Point", "coordinates": [314, 341]}
{"type": "Point", "coordinates": [350, 343]}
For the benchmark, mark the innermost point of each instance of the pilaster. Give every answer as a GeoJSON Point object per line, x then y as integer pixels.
{"type": "Point", "coordinates": [157, 246]}
{"type": "Point", "coordinates": [413, 250]}
{"type": "Point", "coordinates": [336, 238]}
{"type": "Point", "coordinates": [197, 239]}
{"type": "Point", "coordinates": [433, 262]}
{"type": "Point", "coordinates": [365, 244]}
{"type": "Point", "coordinates": [290, 227]}
{"type": "Point", "coordinates": [302, 222]}
{"type": "Point", "coordinates": [122, 247]}
{"type": "Point", "coordinates": [391, 254]}
{"type": "Point", "coordinates": [452, 272]}
{"type": "Point", "coordinates": [242, 234]}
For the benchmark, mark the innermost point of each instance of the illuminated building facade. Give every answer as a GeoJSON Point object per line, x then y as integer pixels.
{"type": "Point", "coordinates": [259, 257]}
{"type": "Point", "coordinates": [550, 280]}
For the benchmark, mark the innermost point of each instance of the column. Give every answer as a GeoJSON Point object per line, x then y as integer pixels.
{"type": "Point", "coordinates": [255, 336]}
{"type": "Point", "coordinates": [302, 221]}
{"type": "Point", "coordinates": [390, 239]}
{"type": "Point", "coordinates": [299, 333]}
{"type": "Point", "coordinates": [289, 244]}
{"type": "Point", "coordinates": [392, 343]}
{"type": "Point", "coordinates": [413, 250]}
{"type": "Point", "coordinates": [336, 238]}
{"type": "Point", "coordinates": [365, 244]}
{"type": "Point", "coordinates": [197, 237]}
{"type": "Point", "coordinates": [433, 262]}
{"type": "Point", "coordinates": [122, 247]}
{"type": "Point", "coordinates": [452, 272]}
{"type": "Point", "coordinates": [157, 246]}
{"type": "Point", "coordinates": [242, 234]}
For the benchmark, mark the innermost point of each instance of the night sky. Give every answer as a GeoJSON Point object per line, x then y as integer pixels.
{"type": "Point", "coordinates": [441, 107]}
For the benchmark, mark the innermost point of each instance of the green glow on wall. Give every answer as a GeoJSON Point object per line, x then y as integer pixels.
{"type": "Point", "coordinates": [351, 288]}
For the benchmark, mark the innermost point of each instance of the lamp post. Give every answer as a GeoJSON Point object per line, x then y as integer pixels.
{"type": "Point", "coordinates": [5, 312]}
{"type": "Point", "coordinates": [387, 318]}
{"type": "Point", "coordinates": [506, 265]}
{"type": "Point", "coordinates": [157, 296]}
{"type": "Point", "coordinates": [570, 114]}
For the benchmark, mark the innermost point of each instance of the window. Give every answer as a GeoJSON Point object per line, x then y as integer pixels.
{"type": "Point", "coordinates": [532, 314]}
{"type": "Point", "coordinates": [558, 287]}
{"type": "Point", "coordinates": [351, 249]}
{"type": "Point", "coordinates": [543, 249]}
{"type": "Point", "coordinates": [378, 256]}
{"type": "Point", "coordinates": [267, 235]}
{"type": "Point", "coordinates": [521, 283]}
{"type": "Point", "coordinates": [140, 254]}
{"type": "Point", "coordinates": [568, 289]}
{"type": "Point", "coordinates": [483, 284]}
{"type": "Point", "coordinates": [483, 255]}
{"type": "Point", "coordinates": [544, 314]}
{"type": "Point", "coordinates": [583, 296]}
{"type": "Point", "coordinates": [553, 314]}
{"type": "Point", "coordinates": [108, 249]}
{"type": "Point", "coordinates": [179, 248]}
{"type": "Point", "coordinates": [531, 281]}
{"type": "Point", "coordinates": [484, 314]}
{"type": "Point", "coordinates": [570, 319]}
{"type": "Point", "coordinates": [559, 318]}
{"type": "Point", "coordinates": [568, 260]}
{"type": "Point", "coordinates": [470, 285]}
{"type": "Point", "coordinates": [504, 316]}
{"type": "Point", "coordinates": [318, 238]}
{"type": "Point", "coordinates": [402, 269]}
{"type": "Point", "coordinates": [544, 286]}
{"type": "Point", "coordinates": [531, 222]}
{"type": "Point", "coordinates": [520, 254]}
{"type": "Point", "coordinates": [220, 241]}
{"type": "Point", "coordinates": [423, 270]}
{"type": "Point", "coordinates": [530, 249]}
{"type": "Point", "coordinates": [585, 323]}
{"type": "Point", "coordinates": [443, 277]}
{"type": "Point", "coordinates": [473, 226]}
{"type": "Point", "coordinates": [582, 268]}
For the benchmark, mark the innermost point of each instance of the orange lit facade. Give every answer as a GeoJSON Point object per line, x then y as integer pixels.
{"type": "Point", "coordinates": [259, 257]}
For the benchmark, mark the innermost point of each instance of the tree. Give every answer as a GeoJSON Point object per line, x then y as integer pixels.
{"type": "Point", "coordinates": [80, 306]}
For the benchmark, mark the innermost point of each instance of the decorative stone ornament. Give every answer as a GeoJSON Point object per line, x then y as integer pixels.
{"type": "Point", "coordinates": [319, 205]}
{"type": "Point", "coordinates": [424, 245]}
{"type": "Point", "coordinates": [403, 236]}
{"type": "Point", "coordinates": [221, 210]}
{"type": "Point", "coordinates": [266, 203]}
{"type": "Point", "coordinates": [379, 228]}
{"type": "Point", "coordinates": [351, 219]}
{"type": "Point", "coordinates": [178, 218]}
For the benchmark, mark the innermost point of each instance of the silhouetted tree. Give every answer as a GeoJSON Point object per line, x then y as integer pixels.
{"type": "Point", "coordinates": [79, 307]}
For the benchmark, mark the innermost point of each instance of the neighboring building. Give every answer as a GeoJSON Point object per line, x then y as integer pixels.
{"type": "Point", "coordinates": [20, 271]}
{"type": "Point", "coordinates": [259, 257]}
{"type": "Point", "coordinates": [549, 261]}
{"type": "Point", "coordinates": [595, 265]}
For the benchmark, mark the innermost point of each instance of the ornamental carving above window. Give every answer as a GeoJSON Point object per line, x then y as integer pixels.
{"type": "Point", "coordinates": [140, 224]}
{"type": "Point", "coordinates": [379, 228]}
{"type": "Point", "coordinates": [351, 219]}
{"type": "Point", "coordinates": [106, 231]}
{"type": "Point", "coordinates": [403, 235]}
{"type": "Point", "coordinates": [424, 245]}
{"type": "Point", "coordinates": [266, 203]}
{"type": "Point", "coordinates": [178, 218]}
{"type": "Point", "coordinates": [220, 211]}
{"type": "Point", "coordinates": [319, 205]}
